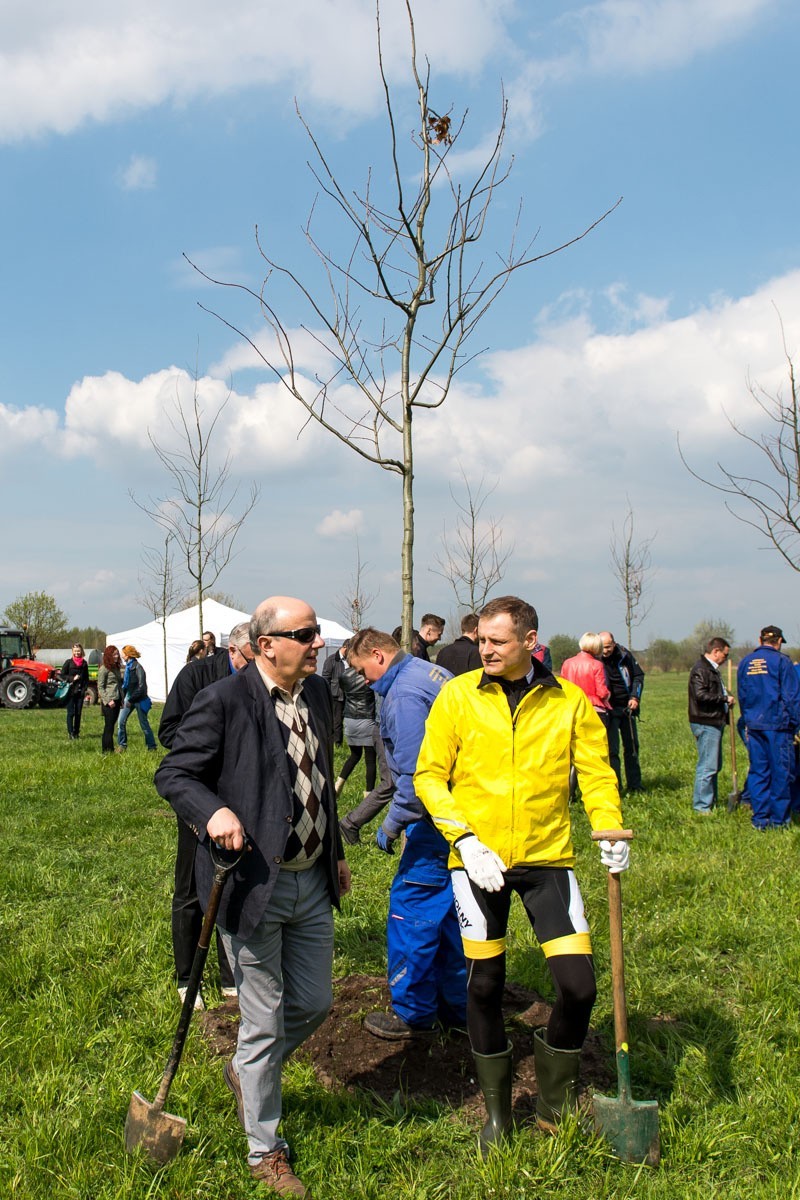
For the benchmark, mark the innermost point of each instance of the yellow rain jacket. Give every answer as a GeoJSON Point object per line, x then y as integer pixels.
{"type": "Point", "coordinates": [507, 780]}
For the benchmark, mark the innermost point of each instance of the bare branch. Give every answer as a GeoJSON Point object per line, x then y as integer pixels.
{"type": "Point", "coordinates": [631, 563]}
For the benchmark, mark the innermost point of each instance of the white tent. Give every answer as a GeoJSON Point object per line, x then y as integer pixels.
{"type": "Point", "coordinates": [182, 628]}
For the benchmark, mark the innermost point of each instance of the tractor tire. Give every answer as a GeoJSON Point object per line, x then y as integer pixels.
{"type": "Point", "coordinates": [90, 696]}
{"type": "Point", "coordinates": [17, 690]}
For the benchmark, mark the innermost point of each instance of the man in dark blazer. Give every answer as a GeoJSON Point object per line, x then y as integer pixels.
{"type": "Point", "coordinates": [252, 760]}
{"type": "Point", "coordinates": [187, 912]}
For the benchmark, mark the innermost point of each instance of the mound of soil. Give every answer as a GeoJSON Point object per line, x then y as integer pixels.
{"type": "Point", "coordinates": [434, 1066]}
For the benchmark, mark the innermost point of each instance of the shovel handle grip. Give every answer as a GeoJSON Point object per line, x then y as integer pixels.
{"type": "Point", "coordinates": [612, 835]}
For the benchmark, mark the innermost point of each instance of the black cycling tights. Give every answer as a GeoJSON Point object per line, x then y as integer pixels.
{"type": "Point", "coordinates": [370, 762]}
{"type": "Point", "coordinates": [573, 979]}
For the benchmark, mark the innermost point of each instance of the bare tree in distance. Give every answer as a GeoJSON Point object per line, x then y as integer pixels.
{"type": "Point", "coordinates": [198, 514]}
{"type": "Point", "coordinates": [473, 555]}
{"type": "Point", "coordinates": [160, 588]}
{"type": "Point", "coordinates": [354, 603]}
{"type": "Point", "coordinates": [773, 496]}
{"type": "Point", "coordinates": [394, 315]}
{"type": "Point", "coordinates": [631, 563]}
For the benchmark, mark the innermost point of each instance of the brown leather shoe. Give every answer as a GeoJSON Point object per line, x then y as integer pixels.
{"type": "Point", "coordinates": [274, 1170]}
{"type": "Point", "coordinates": [231, 1077]}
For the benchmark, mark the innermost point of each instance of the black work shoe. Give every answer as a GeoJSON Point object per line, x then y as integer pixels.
{"type": "Point", "coordinates": [388, 1025]}
{"type": "Point", "coordinates": [231, 1077]}
{"type": "Point", "coordinates": [274, 1170]}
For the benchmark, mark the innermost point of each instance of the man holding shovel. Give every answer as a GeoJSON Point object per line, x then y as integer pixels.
{"type": "Point", "coordinates": [709, 704]}
{"type": "Point", "coordinates": [252, 758]}
{"type": "Point", "coordinates": [493, 772]}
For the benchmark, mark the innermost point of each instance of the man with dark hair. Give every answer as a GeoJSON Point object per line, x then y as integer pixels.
{"type": "Point", "coordinates": [493, 772]}
{"type": "Point", "coordinates": [427, 974]}
{"type": "Point", "coordinates": [429, 633]}
{"type": "Point", "coordinates": [625, 680]}
{"type": "Point", "coordinates": [463, 654]}
{"type": "Point", "coordinates": [709, 704]}
{"type": "Point", "coordinates": [253, 759]}
{"type": "Point", "coordinates": [210, 642]}
{"type": "Point", "coordinates": [769, 698]}
{"type": "Point", "coordinates": [187, 912]}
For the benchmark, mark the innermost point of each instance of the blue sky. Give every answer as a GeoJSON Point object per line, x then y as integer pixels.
{"type": "Point", "coordinates": [130, 135]}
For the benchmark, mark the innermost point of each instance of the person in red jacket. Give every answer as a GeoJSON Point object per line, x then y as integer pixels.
{"type": "Point", "coordinates": [586, 670]}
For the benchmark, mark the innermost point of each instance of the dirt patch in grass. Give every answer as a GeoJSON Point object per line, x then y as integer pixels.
{"type": "Point", "coordinates": [435, 1066]}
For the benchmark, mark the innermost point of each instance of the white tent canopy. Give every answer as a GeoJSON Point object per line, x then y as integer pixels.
{"type": "Point", "coordinates": [183, 627]}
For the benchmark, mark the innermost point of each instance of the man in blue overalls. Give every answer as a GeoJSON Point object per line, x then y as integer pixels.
{"type": "Point", "coordinates": [427, 971]}
{"type": "Point", "coordinates": [769, 698]}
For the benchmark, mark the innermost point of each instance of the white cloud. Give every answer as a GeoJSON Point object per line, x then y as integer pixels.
{"type": "Point", "coordinates": [100, 62]}
{"type": "Point", "coordinates": [341, 524]}
{"type": "Point", "coordinates": [139, 175]}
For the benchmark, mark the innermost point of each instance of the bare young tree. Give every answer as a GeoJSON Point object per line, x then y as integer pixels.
{"type": "Point", "coordinates": [160, 587]}
{"type": "Point", "coordinates": [631, 563]}
{"type": "Point", "coordinates": [473, 555]}
{"type": "Point", "coordinates": [354, 603]}
{"type": "Point", "coordinates": [199, 512]}
{"type": "Point", "coordinates": [773, 495]}
{"type": "Point", "coordinates": [394, 315]}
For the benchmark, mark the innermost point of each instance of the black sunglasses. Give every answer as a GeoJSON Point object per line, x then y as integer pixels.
{"type": "Point", "coordinates": [306, 635]}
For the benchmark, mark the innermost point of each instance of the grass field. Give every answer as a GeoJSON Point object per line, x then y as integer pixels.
{"type": "Point", "coordinates": [88, 1008]}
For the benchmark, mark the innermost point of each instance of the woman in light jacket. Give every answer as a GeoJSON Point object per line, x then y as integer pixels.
{"type": "Point", "coordinates": [109, 689]}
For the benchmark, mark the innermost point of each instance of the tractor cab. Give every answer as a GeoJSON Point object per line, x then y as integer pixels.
{"type": "Point", "coordinates": [14, 644]}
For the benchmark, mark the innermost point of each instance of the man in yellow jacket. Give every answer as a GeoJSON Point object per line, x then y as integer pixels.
{"type": "Point", "coordinates": [493, 773]}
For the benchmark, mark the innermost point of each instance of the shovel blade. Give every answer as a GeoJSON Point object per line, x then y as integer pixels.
{"type": "Point", "coordinates": [630, 1126]}
{"type": "Point", "coordinates": [734, 800]}
{"type": "Point", "coordinates": [148, 1128]}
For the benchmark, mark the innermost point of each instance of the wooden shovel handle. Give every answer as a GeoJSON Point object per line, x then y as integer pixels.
{"type": "Point", "coordinates": [615, 940]}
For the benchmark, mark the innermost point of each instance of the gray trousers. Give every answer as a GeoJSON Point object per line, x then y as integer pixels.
{"type": "Point", "coordinates": [377, 799]}
{"type": "Point", "coordinates": [283, 976]}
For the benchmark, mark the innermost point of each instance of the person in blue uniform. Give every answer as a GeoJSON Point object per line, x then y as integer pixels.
{"type": "Point", "coordinates": [427, 970]}
{"type": "Point", "coordinates": [769, 699]}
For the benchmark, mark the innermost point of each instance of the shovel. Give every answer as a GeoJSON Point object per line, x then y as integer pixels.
{"type": "Point", "coordinates": [631, 1126]}
{"type": "Point", "coordinates": [159, 1133]}
{"type": "Point", "coordinates": [735, 798]}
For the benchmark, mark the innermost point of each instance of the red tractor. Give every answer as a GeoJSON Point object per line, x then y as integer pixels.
{"type": "Point", "coordinates": [24, 681]}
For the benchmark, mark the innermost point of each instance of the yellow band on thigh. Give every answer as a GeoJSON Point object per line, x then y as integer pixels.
{"type": "Point", "coordinates": [483, 949]}
{"type": "Point", "coordinates": [571, 943]}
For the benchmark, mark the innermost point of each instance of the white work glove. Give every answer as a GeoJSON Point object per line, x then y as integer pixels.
{"type": "Point", "coordinates": [484, 867]}
{"type": "Point", "coordinates": [615, 856]}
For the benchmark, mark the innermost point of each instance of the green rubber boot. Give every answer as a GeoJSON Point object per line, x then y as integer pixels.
{"type": "Point", "coordinates": [494, 1077]}
{"type": "Point", "coordinates": [557, 1077]}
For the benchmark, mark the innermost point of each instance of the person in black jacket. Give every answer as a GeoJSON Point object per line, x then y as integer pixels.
{"type": "Point", "coordinates": [187, 912]}
{"type": "Point", "coordinates": [76, 670]}
{"type": "Point", "coordinates": [709, 703]}
{"type": "Point", "coordinates": [332, 670]}
{"type": "Point", "coordinates": [625, 680]}
{"type": "Point", "coordinates": [253, 759]}
{"type": "Point", "coordinates": [463, 654]}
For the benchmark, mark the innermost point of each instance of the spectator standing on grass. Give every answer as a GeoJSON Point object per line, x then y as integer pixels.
{"type": "Point", "coordinates": [359, 728]}
{"type": "Point", "coordinates": [134, 692]}
{"type": "Point", "coordinates": [187, 911]}
{"type": "Point", "coordinates": [769, 699]}
{"type": "Point", "coordinates": [76, 670]}
{"type": "Point", "coordinates": [586, 670]}
{"type": "Point", "coordinates": [709, 704]}
{"type": "Point", "coordinates": [332, 670]}
{"type": "Point", "coordinates": [625, 679]}
{"type": "Point", "coordinates": [429, 633]}
{"type": "Point", "coordinates": [463, 654]}
{"type": "Point", "coordinates": [493, 773]}
{"type": "Point", "coordinates": [427, 973]}
{"type": "Point", "coordinates": [109, 690]}
{"type": "Point", "coordinates": [253, 758]}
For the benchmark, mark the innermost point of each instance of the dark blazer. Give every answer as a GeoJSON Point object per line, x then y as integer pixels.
{"type": "Point", "coordinates": [229, 752]}
{"type": "Point", "coordinates": [707, 703]}
{"type": "Point", "coordinates": [461, 656]}
{"type": "Point", "coordinates": [190, 680]}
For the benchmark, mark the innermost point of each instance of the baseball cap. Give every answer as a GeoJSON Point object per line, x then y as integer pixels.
{"type": "Point", "coordinates": [772, 632]}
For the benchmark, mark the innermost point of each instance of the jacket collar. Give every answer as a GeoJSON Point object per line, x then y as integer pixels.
{"type": "Point", "coordinates": [538, 676]}
{"type": "Point", "coordinates": [398, 664]}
